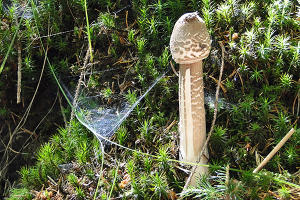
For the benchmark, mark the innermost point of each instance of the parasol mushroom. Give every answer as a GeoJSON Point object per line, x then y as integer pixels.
{"type": "Point", "coordinates": [190, 44]}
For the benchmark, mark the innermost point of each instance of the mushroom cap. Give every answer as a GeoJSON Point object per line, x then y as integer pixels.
{"type": "Point", "coordinates": [190, 41]}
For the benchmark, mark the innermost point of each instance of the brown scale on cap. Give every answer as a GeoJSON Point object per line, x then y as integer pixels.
{"type": "Point", "coordinates": [192, 16]}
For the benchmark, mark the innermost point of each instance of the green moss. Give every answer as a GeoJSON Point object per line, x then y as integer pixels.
{"type": "Point", "coordinates": [20, 194]}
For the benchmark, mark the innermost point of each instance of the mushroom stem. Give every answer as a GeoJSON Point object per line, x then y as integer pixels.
{"type": "Point", "coordinates": [192, 126]}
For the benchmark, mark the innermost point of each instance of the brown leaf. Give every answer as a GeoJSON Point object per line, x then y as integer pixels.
{"type": "Point", "coordinates": [172, 195]}
{"type": "Point", "coordinates": [125, 181]}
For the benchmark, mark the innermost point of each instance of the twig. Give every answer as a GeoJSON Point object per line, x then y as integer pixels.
{"type": "Point", "coordinates": [126, 19]}
{"type": "Point", "coordinates": [19, 72]}
{"type": "Point", "coordinates": [213, 121]}
{"type": "Point", "coordinates": [29, 132]}
{"type": "Point", "coordinates": [170, 126]}
{"type": "Point", "coordinates": [227, 197]}
{"type": "Point", "coordinates": [297, 98]}
{"type": "Point", "coordinates": [221, 85]}
{"type": "Point", "coordinates": [274, 151]}
{"type": "Point", "coordinates": [79, 85]}
{"type": "Point", "coordinates": [51, 180]}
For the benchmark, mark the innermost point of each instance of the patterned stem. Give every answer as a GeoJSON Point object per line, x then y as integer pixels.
{"type": "Point", "coordinates": [192, 126]}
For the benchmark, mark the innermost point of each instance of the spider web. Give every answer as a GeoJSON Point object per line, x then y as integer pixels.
{"type": "Point", "coordinates": [103, 107]}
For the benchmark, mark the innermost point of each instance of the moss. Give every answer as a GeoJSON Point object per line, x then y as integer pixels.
{"type": "Point", "coordinates": [20, 194]}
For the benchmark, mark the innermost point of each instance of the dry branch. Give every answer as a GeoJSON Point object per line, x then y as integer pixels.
{"type": "Point", "coordinates": [19, 72]}
{"type": "Point", "coordinates": [274, 151]}
{"type": "Point", "coordinates": [79, 85]}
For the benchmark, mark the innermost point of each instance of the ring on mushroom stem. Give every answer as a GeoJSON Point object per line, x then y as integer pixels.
{"type": "Point", "coordinates": [189, 44]}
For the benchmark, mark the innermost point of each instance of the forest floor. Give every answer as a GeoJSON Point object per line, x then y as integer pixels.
{"type": "Point", "coordinates": [79, 121]}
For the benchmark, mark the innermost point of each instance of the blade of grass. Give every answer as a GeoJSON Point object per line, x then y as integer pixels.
{"type": "Point", "coordinates": [101, 170]}
{"type": "Point", "coordinates": [88, 30]}
{"type": "Point", "coordinates": [113, 185]}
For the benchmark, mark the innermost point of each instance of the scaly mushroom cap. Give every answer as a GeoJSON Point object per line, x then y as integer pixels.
{"type": "Point", "coordinates": [190, 41]}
